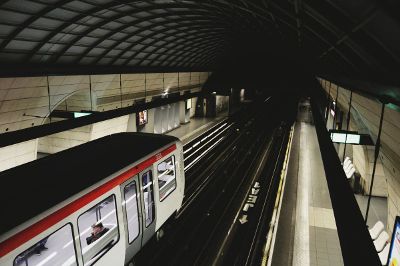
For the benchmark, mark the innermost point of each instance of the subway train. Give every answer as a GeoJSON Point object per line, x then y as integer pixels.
{"type": "Point", "coordinates": [97, 203]}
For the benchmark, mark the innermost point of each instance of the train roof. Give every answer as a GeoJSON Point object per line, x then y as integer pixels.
{"type": "Point", "coordinates": [34, 187]}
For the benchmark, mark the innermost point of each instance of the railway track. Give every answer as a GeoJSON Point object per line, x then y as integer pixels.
{"type": "Point", "coordinates": [219, 179]}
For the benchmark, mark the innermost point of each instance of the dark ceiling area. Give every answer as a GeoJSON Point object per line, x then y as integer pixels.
{"type": "Point", "coordinates": [352, 42]}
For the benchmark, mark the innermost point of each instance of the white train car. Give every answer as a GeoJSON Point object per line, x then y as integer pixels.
{"type": "Point", "coordinates": [97, 203]}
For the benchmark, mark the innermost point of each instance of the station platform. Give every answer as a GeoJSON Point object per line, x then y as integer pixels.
{"type": "Point", "coordinates": [196, 126]}
{"type": "Point", "coordinates": [306, 233]}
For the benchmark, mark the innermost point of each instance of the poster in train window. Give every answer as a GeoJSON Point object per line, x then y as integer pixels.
{"type": "Point", "coordinates": [98, 230]}
{"type": "Point", "coordinates": [394, 252]}
{"type": "Point", "coordinates": [57, 248]}
{"type": "Point", "coordinates": [166, 177]}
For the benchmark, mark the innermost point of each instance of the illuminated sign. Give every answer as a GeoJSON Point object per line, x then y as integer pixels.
{"type": "Point", "coordinates": [353, 137]}
{"type": "Point", "coordinates": [70, 114]}
{"type": "Point", "coordinates": [80, 114]}
{"type": "Point", "coordinates": [341, 138]}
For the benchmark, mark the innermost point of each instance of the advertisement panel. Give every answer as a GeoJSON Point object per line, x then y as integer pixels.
{"type": "Point", "coordinates": [394, 252]}
{"type": "Point", "coordinates": [141, 118]}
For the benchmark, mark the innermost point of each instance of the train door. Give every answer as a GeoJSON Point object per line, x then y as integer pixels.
{"type": "Point", "coordinates": [132, 208]}
{"type": "Point", "coordinates": [148, 206]}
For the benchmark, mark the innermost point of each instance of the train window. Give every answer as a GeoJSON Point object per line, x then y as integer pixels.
{"type": "Point", "coordinates": [166, 177]}
{"type": "Point", "coordinates": [55, 249]}
{"type": "Point", "coordinates": [147, 182]}
{"type": "Point", "coordinates": [131, 207]}
{"type": "Point", "coordinates": [98, 230]}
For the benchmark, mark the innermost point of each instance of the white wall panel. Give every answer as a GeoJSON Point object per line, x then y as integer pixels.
{"type": "Point", "coordinates": [17, 154]}
{"type": "Point", "coordinates": [24, 97]}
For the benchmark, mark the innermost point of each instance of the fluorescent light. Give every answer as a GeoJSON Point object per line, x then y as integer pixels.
{"type": "Point", "coordinates": [353, 139]}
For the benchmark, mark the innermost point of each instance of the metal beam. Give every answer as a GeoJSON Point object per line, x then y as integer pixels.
{"type": "Point", "coordinates": [180, 21]}
{"type": "Point", "coordinates": [201, 35]}
{"type": "Point", "coordinates": [354, 29]}
{"type": "Point", "coordinates": [192, 50]}
{"type": "Point", "coordinates": [297, 7]}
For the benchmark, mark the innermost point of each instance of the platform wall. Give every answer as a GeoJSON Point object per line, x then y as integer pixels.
{"type": "Point", "coordinates": [28, 101]}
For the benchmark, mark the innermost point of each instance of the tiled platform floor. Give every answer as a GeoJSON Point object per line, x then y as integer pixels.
{"type": "Point", "coordinates": [307, 232]}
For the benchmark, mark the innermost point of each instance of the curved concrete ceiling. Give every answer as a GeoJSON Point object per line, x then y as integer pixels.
{"type": "Point", "coordinates": [358, 39]}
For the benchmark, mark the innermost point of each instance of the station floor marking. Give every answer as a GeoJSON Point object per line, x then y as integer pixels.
{"type": "Point", "coordinates": [301, 248]}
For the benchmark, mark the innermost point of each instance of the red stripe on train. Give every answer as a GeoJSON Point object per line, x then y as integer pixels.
{"type": "Point", "coordinates": [27, 234]}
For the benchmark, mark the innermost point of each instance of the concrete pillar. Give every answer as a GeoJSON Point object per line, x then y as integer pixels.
{"type": "Point", "coordinates": [222, 103]}
{"type": "Point", "coordinates": [234, 100]}
{"type": "Point", "coordinates": [176, 115]}
{"type": "Point", "coordinates": [158, 128]}
{"type": "Point", "coordinates": [131, 127]}
{"type": "Point", "coordinates": [183, 113]}
{"type": "Point", "coordinates": [200, 107]}
{"type": "Point", "coordinates": [192, 110]}
{"type": "Point", "coordinates": [168, 116]}
{"type": "Point", "coordinates": [211, 106]}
